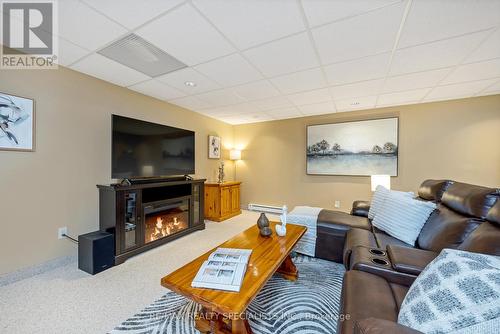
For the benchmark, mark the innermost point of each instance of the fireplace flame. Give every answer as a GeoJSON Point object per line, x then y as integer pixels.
{"type": "Point", "coordinates": [162, 229]}
{"type": "Point", "coordinates": [159, 222]}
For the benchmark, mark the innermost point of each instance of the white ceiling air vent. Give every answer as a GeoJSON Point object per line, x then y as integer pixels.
{"type": "Point", "coordinates": [137, 53]}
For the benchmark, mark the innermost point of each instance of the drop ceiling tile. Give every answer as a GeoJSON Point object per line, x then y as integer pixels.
{"type": "Point", "coordinates": [284, 113]}
{"type": "Point", "coordinates": [318, 108]}
{"type": "Point", "coordinates": [83, 26]}
{"type": "Point", "coordinates": [310, 97]}
{"type": "Point", "coordinates": [157, 89]}
{"type": "Point", "coordinates": [434, 55]}
{"type": "Point", "coordinates": [256, 90]}
{"type": "Point", "coordinates": [246, 118]}
{"type": "Point", "coordinates": [475, 71]}
{"type": "Point", "coordinates": [272, 103]}
{"type": "Point", "coordinates": [69, 53]}
{"type": "Point", "coordinates": [179, 78]}
{"type": "Point", "coordinates": [320, 12]}
{"type": "Point", "coordinates": [248, 23]}
{"type": "Point", "coordinates": [221, 97]}
{"type": "Point", "coordinates": [235, 109]}
{"type": "Point", "coordinates": [109, 70]}
{"type": "Point", "coordinates": [186, 35]}
{"type": "Point", "coordinates": [410, 96]}
{"type": "Point", "coordinates": [372, 67]}
{"type": "Point", "coordinates": [192, 103]}
{"type": "Point", "coordinates": [286, 55]}
{"type": "Point", "coordinates": [365, 88]}
{"type": "Point", "coordinates": [132, 13]}
{"type": "Point", "coordinates": [300, 81]}
{"type": "Point", "coordinates": [246, 108]}
{"type": "Point", "coordinates": [460, 90]}
{"type": "Point", "coordinates": [256, 117]}
{"type": "Point", "coordinates": [495, 88]}
{"type": "Point", "coordinates": [230, 70]}
{"type": "Point", "coordinates": [233, 120]}
{"type": "Point", "coordinates": [360, 36]}
{"type": "Point", "coordinates": [433, 20]}
{"type": "Point", "coordinates": [487, 50]}
{"type": "Point", "coordinates": [487, 92]}
{"type": "Point", "coordinates": [415, 80]}
{"type": "Point", "coordinates": [367, 102]}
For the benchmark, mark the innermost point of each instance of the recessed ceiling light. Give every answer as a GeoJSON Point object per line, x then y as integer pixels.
{"type": "Point", "coordinates": [190, 84]}
{"type": "Point", "coordinates": [355, 104]}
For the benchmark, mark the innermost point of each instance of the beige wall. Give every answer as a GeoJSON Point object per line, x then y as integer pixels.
{"type": "Point", "coordinates": [457, 139]}
{"type": "Point", "coordinates": [55, 186]}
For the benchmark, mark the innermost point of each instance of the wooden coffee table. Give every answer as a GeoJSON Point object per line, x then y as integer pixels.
{"type": "Point", "coordinates": [224, 311]}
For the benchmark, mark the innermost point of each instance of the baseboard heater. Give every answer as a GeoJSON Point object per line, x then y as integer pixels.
{"type": "Point", "coordinates": [265, 208]}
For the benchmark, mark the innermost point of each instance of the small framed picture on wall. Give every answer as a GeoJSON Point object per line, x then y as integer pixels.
{"type": "Point", "coordinates": [17, 123]}
{"type": "Point", "coordinates": [214, 147]}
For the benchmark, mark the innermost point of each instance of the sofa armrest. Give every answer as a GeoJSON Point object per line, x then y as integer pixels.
{"type": "Point", "coordinates": [409, 260]}
{"type": "Point", "coordinates": [381, 326]}
{"type": "Point", "coordinates": [357, 237]}
{"type": "Point", "coordinates": [360, 208]}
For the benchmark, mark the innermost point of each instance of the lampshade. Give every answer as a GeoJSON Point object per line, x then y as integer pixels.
{"type": "Point", "coordinates": [381, 180]}
{"type": "Point", "coordinates": [235, 155]}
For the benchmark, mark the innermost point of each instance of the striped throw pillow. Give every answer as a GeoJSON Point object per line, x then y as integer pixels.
{"type": "Point", "coordinates": [403, 217]}
{"type": "Point", "coordinates": [379, 198]}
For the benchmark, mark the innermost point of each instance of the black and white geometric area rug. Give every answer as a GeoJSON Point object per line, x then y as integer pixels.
{"type": "Point", "coordinates": [309, 305]}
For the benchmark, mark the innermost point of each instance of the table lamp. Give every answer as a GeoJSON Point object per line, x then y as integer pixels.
{"type": "Point", "coordinates": [234, 155]}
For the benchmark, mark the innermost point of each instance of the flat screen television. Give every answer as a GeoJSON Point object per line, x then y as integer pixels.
{"type": "Point", "coordinates": [142, 149]}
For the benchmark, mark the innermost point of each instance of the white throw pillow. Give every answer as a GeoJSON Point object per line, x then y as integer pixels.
{"type": "Point", "coordinates": [403, 217]}
{"type": "Point", "coordinates": [379, 198]}
{"type": "Point", "coordinates": [458, 292]}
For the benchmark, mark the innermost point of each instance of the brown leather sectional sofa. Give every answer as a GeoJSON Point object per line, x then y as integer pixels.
{"type": "Point", "coordinates": [382, 268]}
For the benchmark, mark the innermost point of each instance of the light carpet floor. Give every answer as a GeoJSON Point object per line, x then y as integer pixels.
{"type": "Point", "coordinates": [67, 300]}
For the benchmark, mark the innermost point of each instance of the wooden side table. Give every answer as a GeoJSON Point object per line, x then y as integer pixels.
{"type": "Point", "coordinates": [222, 200]}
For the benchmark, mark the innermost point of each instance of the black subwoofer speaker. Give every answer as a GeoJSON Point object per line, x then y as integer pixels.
{"type": "Point", "coordinates": [96, 252]}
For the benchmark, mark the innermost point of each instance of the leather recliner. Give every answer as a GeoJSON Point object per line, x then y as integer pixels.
{"type": "Point", "coordinates": [467, 217]}
{"type": "Point", "coordinates": [461, 217]}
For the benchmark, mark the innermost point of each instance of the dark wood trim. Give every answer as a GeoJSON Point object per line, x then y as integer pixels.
{"type": "Point", "coordinates": [119, 187]}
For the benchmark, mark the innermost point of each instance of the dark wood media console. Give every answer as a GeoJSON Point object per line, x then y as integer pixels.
{"type": "Point", "coordinates": [145, 215]}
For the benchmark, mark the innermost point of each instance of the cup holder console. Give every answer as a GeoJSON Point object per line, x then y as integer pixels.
{"type": "Point", "coordinates": [380, 261]}
{"type": "Point", "coordinates": [377, 252]}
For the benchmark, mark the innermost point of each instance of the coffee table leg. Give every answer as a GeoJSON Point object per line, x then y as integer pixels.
{"type": "Point", "coordinates": [288, 269]}
{"type": "Point", "coordinates": [241, 326]}
{"type": "Point", "coordinates": [207, 321]}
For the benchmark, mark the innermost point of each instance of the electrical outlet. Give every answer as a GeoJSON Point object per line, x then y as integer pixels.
{"type": "Point", "coordinates": [61, 231]}
{"type": "Point", "coordinates": [337, 204]}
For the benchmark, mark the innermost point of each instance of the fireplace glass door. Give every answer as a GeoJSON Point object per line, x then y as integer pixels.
{"type": "Point", "coordinates": [131, 237]}
{"type": "Point", "coordinates": [164, 219]}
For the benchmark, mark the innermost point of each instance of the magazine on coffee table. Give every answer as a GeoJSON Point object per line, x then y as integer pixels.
{"type": "Point", "coordinates": [224, 270]}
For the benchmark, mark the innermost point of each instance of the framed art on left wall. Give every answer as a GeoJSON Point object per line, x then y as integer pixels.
{"type": "Point", "coordinates": [17, 123]}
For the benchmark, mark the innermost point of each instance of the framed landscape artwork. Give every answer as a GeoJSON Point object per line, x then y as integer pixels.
{"type": "Point", "coordinates": [353, 148]}
{"type": "Point", "coordinates": [17, 123]}
{"type": "Point", "coordinates": [213, 147]}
